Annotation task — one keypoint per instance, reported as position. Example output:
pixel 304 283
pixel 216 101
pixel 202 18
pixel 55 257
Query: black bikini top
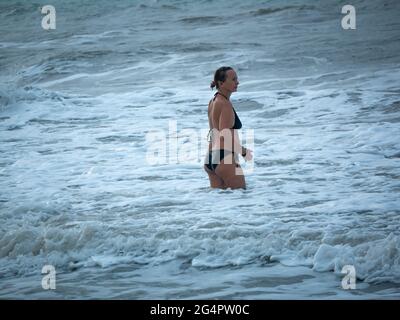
pixel 238 123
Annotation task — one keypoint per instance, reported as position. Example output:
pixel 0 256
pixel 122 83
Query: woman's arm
pixel 209 116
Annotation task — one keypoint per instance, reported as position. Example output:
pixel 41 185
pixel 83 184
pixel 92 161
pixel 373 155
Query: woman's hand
pixel 249 155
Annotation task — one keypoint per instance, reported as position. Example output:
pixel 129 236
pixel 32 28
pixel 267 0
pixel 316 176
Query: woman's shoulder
pixel 217 107
pixel 219 103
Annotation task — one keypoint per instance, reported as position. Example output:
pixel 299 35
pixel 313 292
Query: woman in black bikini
pixel 221 163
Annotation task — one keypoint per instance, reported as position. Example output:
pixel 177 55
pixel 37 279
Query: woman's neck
pixel 224 93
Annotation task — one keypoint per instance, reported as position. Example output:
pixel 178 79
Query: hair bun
pixel 212 85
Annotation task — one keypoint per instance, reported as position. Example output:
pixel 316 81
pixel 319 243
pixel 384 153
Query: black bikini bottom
pixel 215 157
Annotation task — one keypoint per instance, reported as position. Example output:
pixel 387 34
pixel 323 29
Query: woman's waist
pixel 222 153
pixel 217 147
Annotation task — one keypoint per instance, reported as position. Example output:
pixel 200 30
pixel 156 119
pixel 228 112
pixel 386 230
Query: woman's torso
pixel 214 114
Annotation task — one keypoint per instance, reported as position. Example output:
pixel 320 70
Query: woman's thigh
pixel 215 181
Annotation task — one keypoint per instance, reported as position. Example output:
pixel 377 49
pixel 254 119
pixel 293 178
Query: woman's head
pixel 226 78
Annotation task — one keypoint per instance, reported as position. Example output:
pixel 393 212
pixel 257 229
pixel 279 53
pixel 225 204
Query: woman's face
pixel 231 82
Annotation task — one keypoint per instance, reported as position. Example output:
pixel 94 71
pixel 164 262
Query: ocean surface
pixel 80 191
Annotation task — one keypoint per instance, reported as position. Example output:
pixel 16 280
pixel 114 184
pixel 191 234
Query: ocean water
pixel 79 191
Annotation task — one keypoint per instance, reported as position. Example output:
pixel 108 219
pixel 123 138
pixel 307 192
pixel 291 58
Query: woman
pixel 221 163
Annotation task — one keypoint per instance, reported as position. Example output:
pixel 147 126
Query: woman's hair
pixel 219 75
